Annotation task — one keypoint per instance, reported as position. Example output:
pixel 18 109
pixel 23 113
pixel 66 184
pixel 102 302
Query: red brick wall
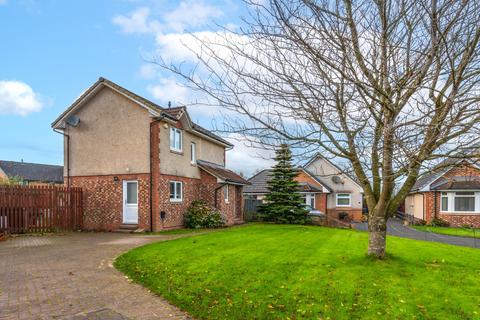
pixel 463 170
pixel 103 200
pixel 194 189
pixel 320 198
pixel 354 214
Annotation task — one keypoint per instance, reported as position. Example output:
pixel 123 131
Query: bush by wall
pixel 200 215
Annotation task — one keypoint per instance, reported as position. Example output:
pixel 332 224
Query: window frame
pixel 175 198
pixel 193 153
pixel 452 195
pixel 173 134
pixel 226 193
pixel 312 197
pixel 337 197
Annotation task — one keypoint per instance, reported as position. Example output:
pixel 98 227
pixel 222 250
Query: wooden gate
pixel 29 209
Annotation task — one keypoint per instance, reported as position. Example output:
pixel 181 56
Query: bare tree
pixel 392 87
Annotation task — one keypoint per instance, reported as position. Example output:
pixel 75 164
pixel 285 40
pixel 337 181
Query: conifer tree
pixel 283 203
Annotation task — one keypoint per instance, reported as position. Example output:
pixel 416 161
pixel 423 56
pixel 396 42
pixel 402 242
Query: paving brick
pixel 71 277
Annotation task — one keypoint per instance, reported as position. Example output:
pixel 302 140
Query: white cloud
pixel 191 13
pixel 148 71
pixel 167 89
pixel 246 159
pixel 137 22
pixel 17 97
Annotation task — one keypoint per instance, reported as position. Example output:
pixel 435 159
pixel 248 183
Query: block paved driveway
pixel 71 277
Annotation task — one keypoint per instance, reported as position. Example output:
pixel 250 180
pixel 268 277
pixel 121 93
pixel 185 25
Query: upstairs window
pixel 193 156
pixel 343 199
pixel 175 139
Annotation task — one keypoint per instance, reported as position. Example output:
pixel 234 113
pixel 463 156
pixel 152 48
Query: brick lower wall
pixel 205 188
pixel 103 200
pixel 460 220
pixel 354 214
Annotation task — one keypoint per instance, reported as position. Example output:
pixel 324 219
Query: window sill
pixel 460 213
pixel 179 152
pixel 343 206
pixel 176 201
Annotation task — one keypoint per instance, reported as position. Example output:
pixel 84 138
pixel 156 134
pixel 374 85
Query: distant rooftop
pixel 32 171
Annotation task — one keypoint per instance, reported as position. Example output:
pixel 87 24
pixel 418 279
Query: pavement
pixel 395 227
pixel 71 277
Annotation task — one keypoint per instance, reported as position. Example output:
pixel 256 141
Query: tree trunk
pixel 377 235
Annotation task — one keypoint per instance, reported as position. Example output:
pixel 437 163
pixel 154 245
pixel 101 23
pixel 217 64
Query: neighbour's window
pixel 193 153
pixel 464 201
pixel 460 201
pixel 175 139
pixel 225 192
pixel 176 192
pixel 444 201
pixel 343 199
pixel 310 200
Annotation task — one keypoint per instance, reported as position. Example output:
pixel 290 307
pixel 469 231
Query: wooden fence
pixel 29 209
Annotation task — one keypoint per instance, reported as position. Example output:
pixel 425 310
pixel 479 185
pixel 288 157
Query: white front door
pixel 130 201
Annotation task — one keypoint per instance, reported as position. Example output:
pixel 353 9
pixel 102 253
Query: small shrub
pixel 437 222
pixel 200 215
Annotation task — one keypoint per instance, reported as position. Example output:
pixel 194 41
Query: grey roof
pixel 32 171
pixel 172 113
pixel 434 174
pixel 259 183
pixel 221 172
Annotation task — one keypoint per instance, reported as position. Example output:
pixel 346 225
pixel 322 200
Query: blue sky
pixel 52 50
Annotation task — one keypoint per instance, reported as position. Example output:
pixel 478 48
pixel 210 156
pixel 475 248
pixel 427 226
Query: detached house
pixel 141 165
pixel 326 189
pixel 451 193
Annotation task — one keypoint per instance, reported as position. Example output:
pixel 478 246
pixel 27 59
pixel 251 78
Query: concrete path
pixel 71 277
pixel 395 227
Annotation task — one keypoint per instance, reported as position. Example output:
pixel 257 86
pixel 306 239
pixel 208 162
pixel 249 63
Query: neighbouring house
pixel 450 192
pixel 31 173
pixel 140 165
pixel 325 187
pixel 312 190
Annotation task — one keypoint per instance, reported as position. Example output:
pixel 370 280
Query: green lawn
pixel 461 232
pixel 292 272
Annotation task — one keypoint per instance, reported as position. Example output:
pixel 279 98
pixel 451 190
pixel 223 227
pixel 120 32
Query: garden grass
pixel 459 232
pixel 305 272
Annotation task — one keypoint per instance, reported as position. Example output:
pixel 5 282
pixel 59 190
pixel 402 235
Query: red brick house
pixel 141 165
pixel 450 193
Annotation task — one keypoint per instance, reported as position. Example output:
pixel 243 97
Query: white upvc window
pixel 176 191
pixel 310 200
pixel 175 139
pixel 343 199
pixel 193 153
pixel 460 202
pixel 226 192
